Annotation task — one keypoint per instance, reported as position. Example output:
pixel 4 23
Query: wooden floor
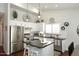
pixel 2 53
pixel 64 54
pixel 20 53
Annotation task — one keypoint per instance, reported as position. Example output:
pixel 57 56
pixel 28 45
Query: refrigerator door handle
pixel 17 43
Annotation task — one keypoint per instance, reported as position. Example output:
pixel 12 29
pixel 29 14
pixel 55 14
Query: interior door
pixel 1 29
pixel 1 33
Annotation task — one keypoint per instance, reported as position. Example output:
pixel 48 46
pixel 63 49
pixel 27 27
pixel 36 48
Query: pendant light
pixel 39 16
pixel 27 16
pixel 38 21
pixel 39 12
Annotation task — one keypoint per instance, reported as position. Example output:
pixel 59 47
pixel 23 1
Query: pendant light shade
pixel 27 16
pixel 39 12
pixel 27 19
pixel 39 16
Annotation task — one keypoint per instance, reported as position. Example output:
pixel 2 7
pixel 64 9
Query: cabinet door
pixel 16 47
pixel 47 51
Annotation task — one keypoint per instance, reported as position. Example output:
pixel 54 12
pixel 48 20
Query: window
pixel 56 28
pixel 48 28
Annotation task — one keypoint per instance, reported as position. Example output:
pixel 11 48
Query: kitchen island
pixel 35 48
pixel 40 42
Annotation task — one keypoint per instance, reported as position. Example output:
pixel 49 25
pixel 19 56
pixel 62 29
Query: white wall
pixel 1 32
pixel 69 15
pixel 4 9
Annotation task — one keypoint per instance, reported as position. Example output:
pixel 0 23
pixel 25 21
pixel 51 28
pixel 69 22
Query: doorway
pixel 1 31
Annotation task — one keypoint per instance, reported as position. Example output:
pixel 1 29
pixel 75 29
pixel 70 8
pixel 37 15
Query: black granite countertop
pixel 59 38
pixel 46 36
pixel 42 46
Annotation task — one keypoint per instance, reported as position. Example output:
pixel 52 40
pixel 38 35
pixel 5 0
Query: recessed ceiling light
pixel 45 6
pixel 56 5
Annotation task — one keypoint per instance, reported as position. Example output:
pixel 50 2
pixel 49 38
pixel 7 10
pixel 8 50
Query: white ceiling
pixel 49 6
pixel 44 6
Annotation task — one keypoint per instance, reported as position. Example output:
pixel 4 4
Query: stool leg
pixel 24 52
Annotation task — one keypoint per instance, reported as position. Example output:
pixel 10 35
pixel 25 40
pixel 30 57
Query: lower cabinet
pixel 46 51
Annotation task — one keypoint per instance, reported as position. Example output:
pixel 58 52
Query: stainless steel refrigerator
pixel 16 38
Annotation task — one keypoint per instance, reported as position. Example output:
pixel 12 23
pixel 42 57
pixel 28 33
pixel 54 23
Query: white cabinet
pixel 40 27
pixel 33 26
pixel 46 51
pixel 18 23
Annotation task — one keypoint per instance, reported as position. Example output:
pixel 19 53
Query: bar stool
pixel 26 47
pixel 31 52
